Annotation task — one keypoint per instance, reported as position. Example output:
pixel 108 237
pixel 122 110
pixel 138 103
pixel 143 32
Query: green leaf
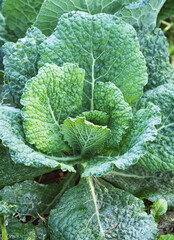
pixel 159 208
pixel 108 98
pixel 167 10
pixel 132 147
pixel 159 156
pixel 20 61
pixel 144 184
pixel 20 14
pixel 52 10
pixel 100 211
pixel 11 133
pixel 154 47
pixel 59 96
pixel 142 16
pixel 104 46
pixel 166 237
pixel 96 117
pixel 84 136
pixel 30 197
pixel 11 172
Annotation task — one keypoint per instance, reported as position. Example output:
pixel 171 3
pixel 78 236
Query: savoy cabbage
pixel 94 96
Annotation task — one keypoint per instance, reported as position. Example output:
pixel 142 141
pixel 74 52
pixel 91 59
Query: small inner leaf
pixel 84 136
pixel 96 117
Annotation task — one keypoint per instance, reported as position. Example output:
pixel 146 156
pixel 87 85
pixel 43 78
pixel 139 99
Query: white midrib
pixel 93 83
pixel 52 114
pixel 90 181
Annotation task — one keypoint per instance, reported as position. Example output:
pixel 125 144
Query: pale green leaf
pixel 108 98
pixel 132 147
pixel 100 211
pixel 160 153
pixel 52 10
pixel 20 61
pixel 48 99
pixel 142 16
pixel 20 14
pixel 104 46
pixel 159 208
pixel 144 184
pixel 11 134
pixel 166 237
pixel 83 136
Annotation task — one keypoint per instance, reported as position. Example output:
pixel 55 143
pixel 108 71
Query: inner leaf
pixel 96 117
pixel 48 99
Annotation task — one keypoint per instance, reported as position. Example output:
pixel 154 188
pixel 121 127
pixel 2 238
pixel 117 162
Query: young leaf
pixel 159 156
pixel 159 208
pixel 132 147
pixel 104 46
pixel 20 61
pixel 108 98
pixel 144 184
pixel 83 136
pixel 48 99
pixel 52 10
pixel 93 211
pixel 166 237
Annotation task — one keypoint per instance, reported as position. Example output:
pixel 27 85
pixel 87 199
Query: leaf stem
pixel 90 181
pixel 69 158
pixel 3 230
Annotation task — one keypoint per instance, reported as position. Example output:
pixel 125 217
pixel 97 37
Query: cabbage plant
pixel 91 99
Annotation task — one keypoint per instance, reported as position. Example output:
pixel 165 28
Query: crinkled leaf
pixel 84 136
pixel 96 117
pixel 104 46
pixel 160 153
pixel 93 211
pixel 11 172
pixel 30 197
pixel 142 16
pixel 144 184
pixel 20 15
pixel 48 99
pixel 52 10
pixel 154 47
pixel 11 134
pixel 132 147
pixel 19 231
pixel 20 61
pixel 108 98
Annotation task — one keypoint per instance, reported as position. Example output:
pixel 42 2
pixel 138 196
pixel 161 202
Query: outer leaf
pixel 108 98
pixel 11 172
pixel 167 10
pixel 11 133
pixel 100 212
pixel 48 99
pixel 142 16
pixel 104 46
pixel 19 231
pixel 30 197
pixel 154 47
pixel 52 10
pixel 20 61
pixel 132 147
pixel 144 184
pixel 20 14
pixel 160 153
pixel 83 136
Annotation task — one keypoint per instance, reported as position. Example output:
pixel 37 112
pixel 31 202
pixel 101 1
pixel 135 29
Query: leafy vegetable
pixel 95 211
pixel 166 237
